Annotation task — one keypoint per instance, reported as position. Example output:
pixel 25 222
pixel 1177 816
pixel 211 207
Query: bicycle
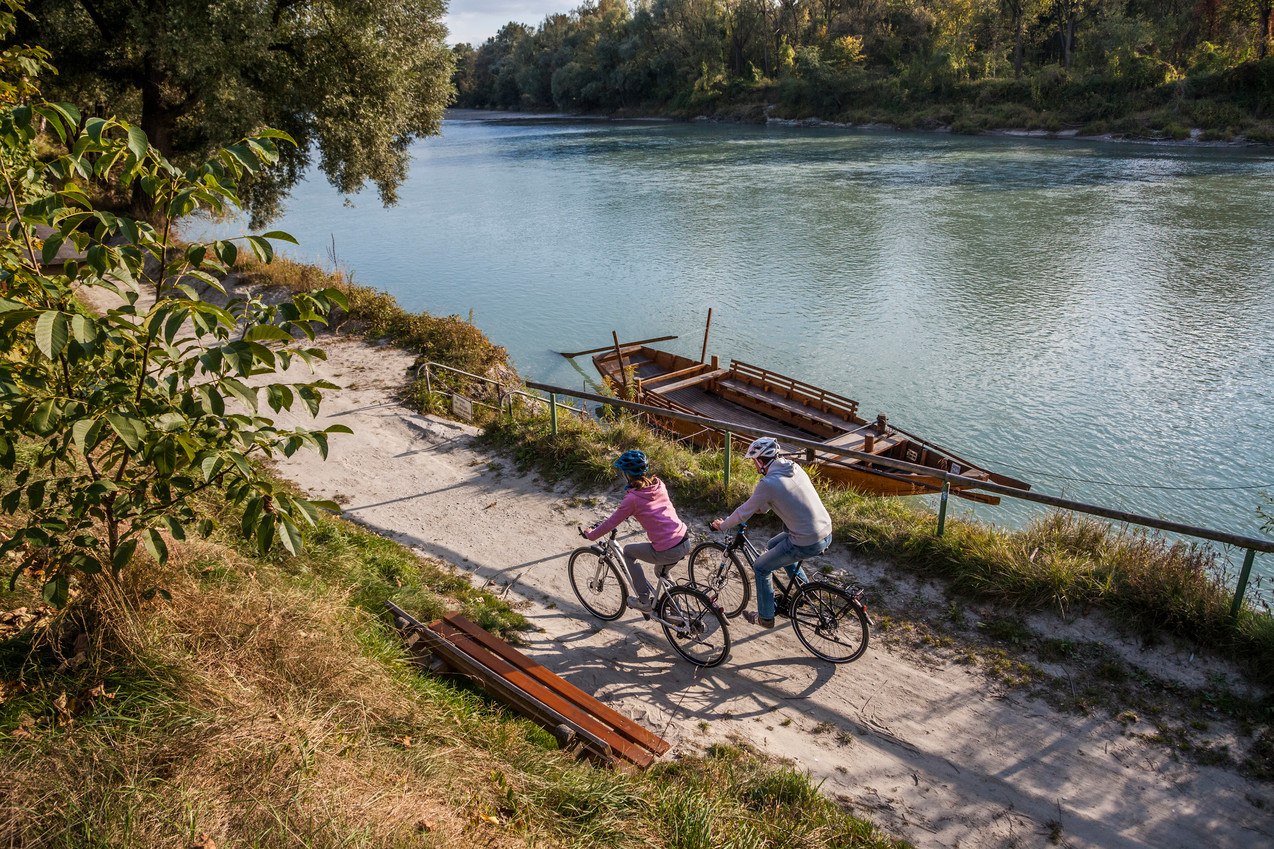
pixel 694 626
pixel 831 622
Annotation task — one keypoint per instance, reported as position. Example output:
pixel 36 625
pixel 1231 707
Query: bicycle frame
pixel 609 548
pixel 742 543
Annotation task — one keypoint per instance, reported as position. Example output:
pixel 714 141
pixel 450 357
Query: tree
pixel 111 425
pixel 354 80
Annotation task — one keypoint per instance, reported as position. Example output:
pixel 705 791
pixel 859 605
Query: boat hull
pixel 761 400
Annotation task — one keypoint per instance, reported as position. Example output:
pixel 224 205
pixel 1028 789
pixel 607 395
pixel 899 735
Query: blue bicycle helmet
pixel 632 463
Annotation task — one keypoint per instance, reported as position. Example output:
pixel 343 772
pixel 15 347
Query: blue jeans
pixel 780 553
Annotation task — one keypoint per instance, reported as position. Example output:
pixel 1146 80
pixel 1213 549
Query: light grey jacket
pixel 787 490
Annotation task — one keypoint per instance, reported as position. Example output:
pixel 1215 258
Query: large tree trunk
pixel 1017 45
pixel 1263 33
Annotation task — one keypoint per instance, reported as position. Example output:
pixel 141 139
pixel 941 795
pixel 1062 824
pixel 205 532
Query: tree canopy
pixel 1198 63
pixel 353 81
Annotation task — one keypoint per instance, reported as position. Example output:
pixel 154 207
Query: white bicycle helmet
pixel 765 448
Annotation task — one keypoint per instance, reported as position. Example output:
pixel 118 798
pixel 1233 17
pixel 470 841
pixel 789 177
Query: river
pixel 1096 318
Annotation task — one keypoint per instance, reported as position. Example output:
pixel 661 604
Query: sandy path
pixel 931 752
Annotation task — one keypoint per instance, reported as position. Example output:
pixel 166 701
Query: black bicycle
pixel 831 621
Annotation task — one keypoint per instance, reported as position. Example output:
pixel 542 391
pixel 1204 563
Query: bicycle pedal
pixel 646 616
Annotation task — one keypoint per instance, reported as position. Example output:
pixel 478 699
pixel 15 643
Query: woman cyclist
pixel 646 500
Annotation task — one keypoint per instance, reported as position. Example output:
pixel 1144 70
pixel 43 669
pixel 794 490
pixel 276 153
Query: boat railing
pixel 796 390
pixel 732 430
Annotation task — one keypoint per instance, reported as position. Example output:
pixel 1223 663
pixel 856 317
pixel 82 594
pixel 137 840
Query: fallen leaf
pixel 425 825
pixel 203 841
pixel 405 742
pixel 490 819
pixel 99 692
pixel 489 506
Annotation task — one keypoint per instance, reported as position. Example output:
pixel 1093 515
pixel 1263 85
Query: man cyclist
pixel 786 489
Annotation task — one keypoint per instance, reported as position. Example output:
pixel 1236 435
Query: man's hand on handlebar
pixel 716 524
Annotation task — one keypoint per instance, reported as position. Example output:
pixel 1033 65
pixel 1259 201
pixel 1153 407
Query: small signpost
pixel 461 407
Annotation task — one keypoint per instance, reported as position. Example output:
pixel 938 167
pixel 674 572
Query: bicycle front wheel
pixel 719 572
pixel 596 582
pixel 694 626
pixel 830 622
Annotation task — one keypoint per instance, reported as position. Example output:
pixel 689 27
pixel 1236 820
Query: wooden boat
pixel 783 406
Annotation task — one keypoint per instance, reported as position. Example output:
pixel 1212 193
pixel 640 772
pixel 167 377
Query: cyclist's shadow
pixel 642 667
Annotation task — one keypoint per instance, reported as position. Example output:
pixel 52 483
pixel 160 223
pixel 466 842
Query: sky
pixel 475 21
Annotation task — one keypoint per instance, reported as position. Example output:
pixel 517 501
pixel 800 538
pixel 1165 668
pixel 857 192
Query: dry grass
pixel 268 705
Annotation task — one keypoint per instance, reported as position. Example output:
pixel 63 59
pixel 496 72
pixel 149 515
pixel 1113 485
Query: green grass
pixel 1061 562
pixel 270 704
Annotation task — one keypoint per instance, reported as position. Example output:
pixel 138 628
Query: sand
pixel 930 749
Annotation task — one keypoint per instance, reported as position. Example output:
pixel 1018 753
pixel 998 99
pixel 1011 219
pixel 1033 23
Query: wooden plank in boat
pixel 690 381
pixel 792 407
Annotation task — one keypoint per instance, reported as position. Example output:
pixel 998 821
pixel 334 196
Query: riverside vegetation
pixel 1150 587
pixel 1144 69
pixel 175 666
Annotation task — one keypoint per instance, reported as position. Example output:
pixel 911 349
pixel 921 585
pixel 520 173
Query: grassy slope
pixel 1062 562
pixel 269 704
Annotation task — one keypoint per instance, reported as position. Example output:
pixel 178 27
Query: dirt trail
pixel 928 750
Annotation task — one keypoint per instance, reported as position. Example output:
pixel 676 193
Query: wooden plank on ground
pixel 626 739
pixel 622 724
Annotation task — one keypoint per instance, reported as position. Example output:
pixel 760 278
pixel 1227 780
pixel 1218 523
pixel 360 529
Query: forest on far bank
pixel 1154 68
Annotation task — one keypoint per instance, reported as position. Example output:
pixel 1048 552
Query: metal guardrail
pixel 1251 544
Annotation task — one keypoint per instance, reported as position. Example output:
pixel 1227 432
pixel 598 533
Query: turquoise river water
pixel 1095 318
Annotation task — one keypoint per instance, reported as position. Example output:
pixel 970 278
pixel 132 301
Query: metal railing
pixel 1252 545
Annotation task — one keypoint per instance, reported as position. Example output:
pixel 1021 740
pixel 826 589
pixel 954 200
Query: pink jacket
pixel 653 510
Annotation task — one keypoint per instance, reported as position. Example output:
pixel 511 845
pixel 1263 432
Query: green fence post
pixel 942 507
pixel 553 413
pixel 1243 576
pixel 729 437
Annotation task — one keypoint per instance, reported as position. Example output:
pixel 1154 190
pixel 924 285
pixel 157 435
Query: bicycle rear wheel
pixel 717 571
pixel 596 582
pixel 698 631
pixel 830 622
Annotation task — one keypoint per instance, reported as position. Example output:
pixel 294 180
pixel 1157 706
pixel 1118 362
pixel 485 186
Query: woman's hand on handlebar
pixel 582 532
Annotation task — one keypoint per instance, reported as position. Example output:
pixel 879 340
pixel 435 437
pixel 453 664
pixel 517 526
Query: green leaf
pixel 271 133
pixel 281 236
pixel 44 418
pixel 93 127
pixel 52 245
pixel 265 534
pixel 51 331
pixel 268 332
pixel 291 535
pixel 84 329
pixel 123 554
pixel 243 393
pixel 155 545
pixel 86 433
pixel 263 249
pixel 137 144
pixel 57 591
pixel 130 430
